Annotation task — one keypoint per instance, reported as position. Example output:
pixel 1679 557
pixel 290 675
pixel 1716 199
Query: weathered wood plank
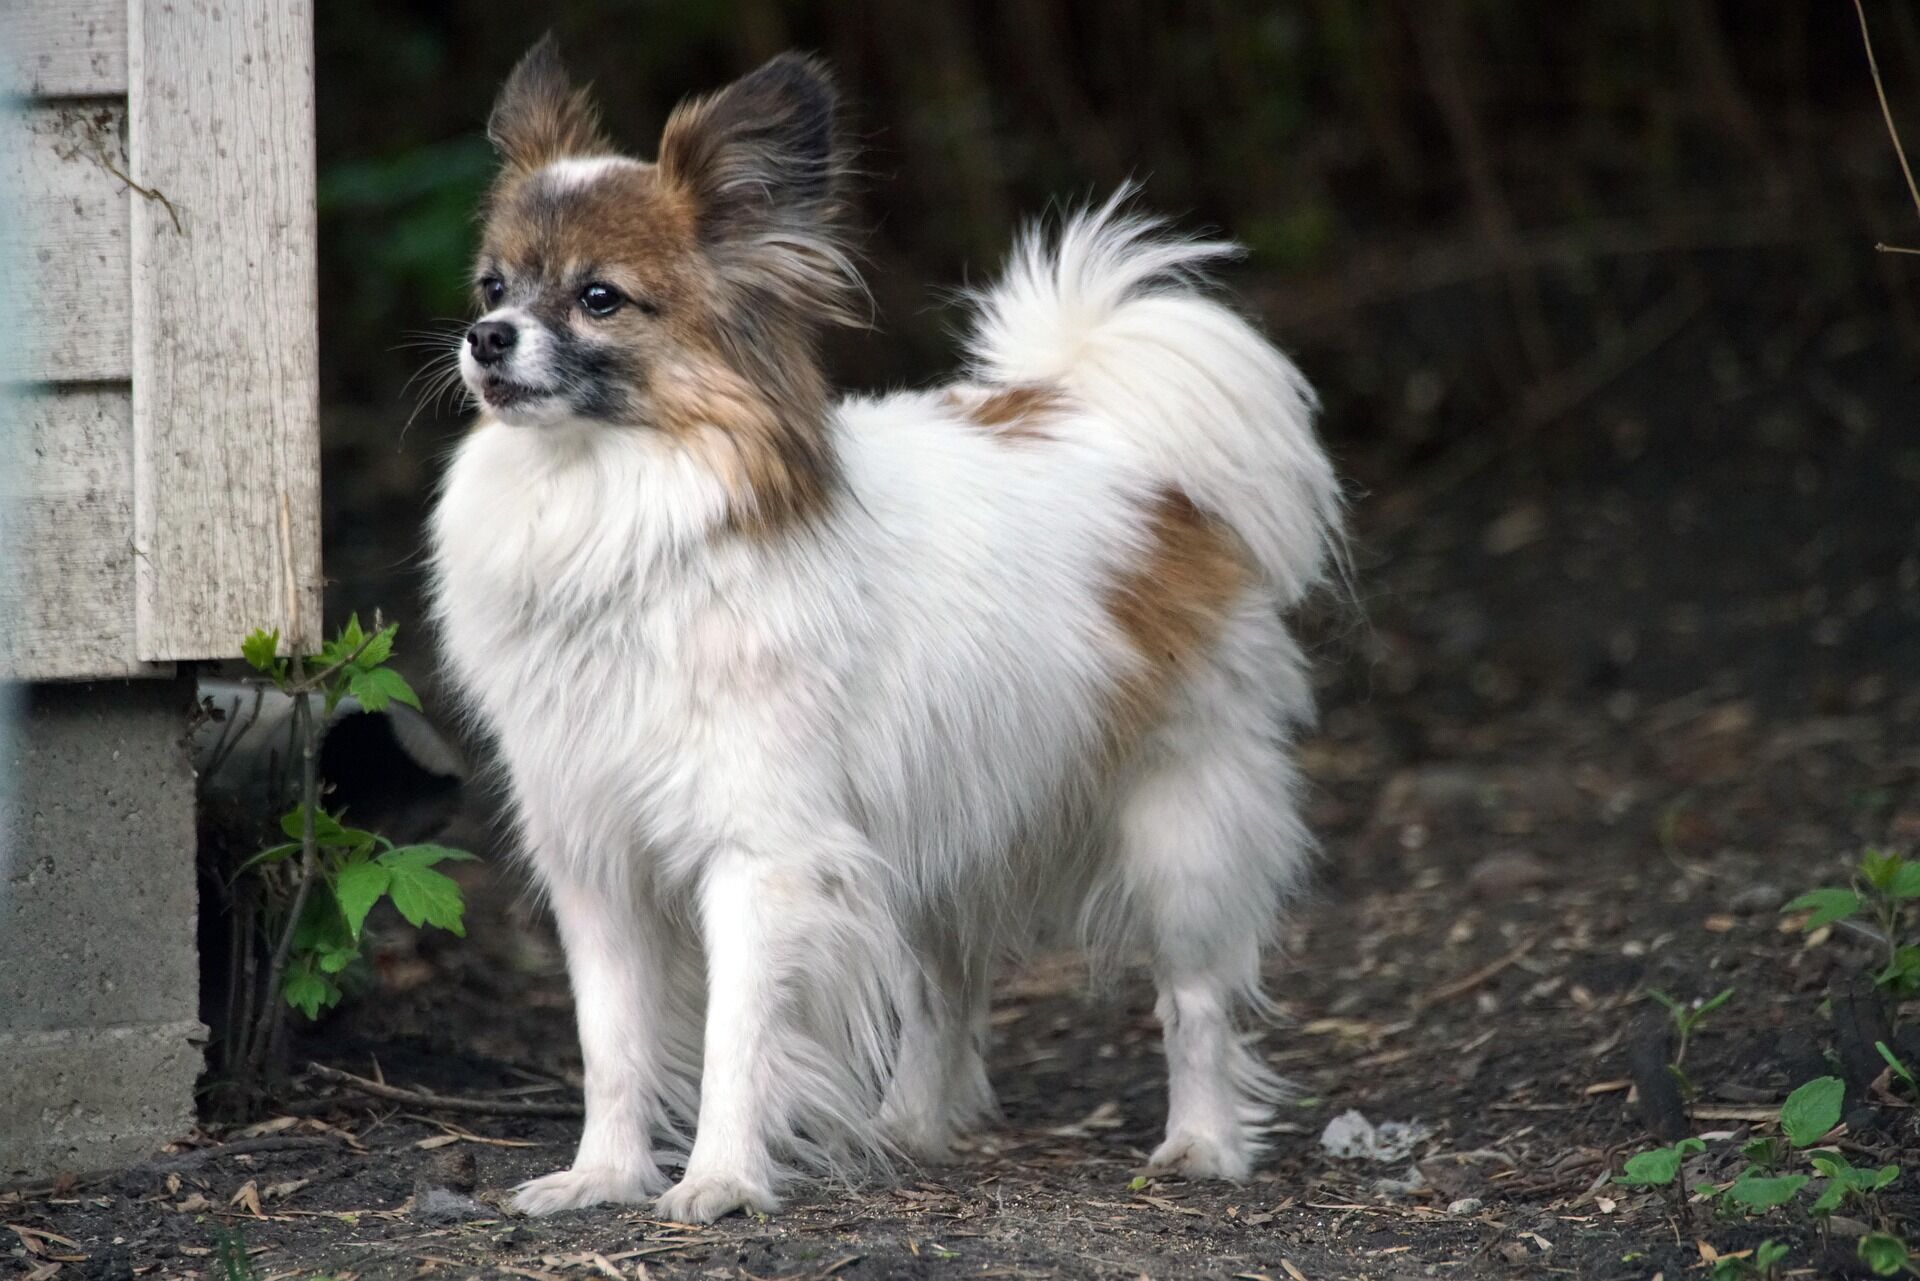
pixel 65 243
pixel 66 522
pixel 63 48
pixel 225 383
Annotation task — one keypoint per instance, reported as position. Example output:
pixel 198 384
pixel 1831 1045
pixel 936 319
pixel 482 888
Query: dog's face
pixel 681 296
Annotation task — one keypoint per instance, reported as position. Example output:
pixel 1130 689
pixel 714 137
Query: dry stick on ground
pixel 1886 112
pixel 446 1103
pixel 241 1147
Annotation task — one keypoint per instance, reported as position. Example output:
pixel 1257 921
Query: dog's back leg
pixel 1209 844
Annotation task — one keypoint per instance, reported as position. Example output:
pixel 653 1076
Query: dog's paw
pixel 578 1188
pixel 1201 1156
pixel 702 1198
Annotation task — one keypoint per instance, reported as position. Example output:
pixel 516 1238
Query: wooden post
pixel 226 443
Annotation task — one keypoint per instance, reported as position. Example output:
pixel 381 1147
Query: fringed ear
pixel 761 162
pixel 540 116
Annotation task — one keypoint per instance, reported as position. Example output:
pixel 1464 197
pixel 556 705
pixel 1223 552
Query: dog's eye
pixel 599 299
pixel 493 289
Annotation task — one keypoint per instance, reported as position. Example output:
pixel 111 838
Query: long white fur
pixel 792 799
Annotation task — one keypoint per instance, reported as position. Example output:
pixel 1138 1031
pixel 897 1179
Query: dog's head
pixel 682 295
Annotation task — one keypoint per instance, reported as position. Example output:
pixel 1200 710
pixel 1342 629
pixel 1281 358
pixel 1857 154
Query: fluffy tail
pixel 1116 309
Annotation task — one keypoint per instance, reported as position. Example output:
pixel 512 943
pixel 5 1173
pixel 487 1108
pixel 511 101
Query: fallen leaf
pixel 247 1197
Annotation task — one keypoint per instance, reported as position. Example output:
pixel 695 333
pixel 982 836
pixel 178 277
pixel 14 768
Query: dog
pixel 813 710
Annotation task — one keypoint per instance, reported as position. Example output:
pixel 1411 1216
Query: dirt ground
pixel 1622 675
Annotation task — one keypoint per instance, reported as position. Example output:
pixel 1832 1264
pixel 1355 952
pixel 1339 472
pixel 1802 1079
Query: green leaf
pixel 1831 1163
pixel 1136 1183
pixel 1878 870
pixel 1902 975
pixel 308 992
pixel 1884 1254
pixel 335 959
pixel 1830 1199
pixel 1673 1006
pixel 351 637
pixel 272 854
pixel 379 649
pixel 358 887
pixel 1899 1069
pixel 426 855
pixel 327 830
pixel 1905 882
pixel 259 649
pixel 424 896
pixel 1757 1195
pixel 1652 1169
pixel 1812 1110
pixel 1873 1181
pixel 376 688
pixel 1714 1002
pixel 1768 1253
pixel 1827 906
pixel 1730 1267
pixel 1765 1152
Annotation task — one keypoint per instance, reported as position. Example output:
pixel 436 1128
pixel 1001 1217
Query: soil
pixel 1618 679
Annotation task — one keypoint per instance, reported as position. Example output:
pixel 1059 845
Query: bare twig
pixel 445 1103
pixel 266 1031
pixel 1886 112
pixel 1468 982
pixel 240 1147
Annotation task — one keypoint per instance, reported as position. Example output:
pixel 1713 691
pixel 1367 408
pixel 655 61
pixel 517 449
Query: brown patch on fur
pixel 1010 413
pixel 1172 604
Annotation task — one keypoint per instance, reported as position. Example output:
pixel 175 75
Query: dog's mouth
pixel 503 393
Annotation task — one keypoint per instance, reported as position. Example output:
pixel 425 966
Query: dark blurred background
pixel 1623 389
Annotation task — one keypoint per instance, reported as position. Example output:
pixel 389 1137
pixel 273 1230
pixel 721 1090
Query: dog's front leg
pixel 799 961
pixel 615 962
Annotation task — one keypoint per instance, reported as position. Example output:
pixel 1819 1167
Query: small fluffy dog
pixel 815 709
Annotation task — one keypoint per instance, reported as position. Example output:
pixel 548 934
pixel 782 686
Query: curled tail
pixel 1116 309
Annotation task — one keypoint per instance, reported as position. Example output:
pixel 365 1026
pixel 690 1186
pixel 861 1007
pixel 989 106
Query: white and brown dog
pixel 814 710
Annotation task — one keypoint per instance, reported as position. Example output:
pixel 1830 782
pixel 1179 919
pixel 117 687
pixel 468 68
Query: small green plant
pixel 1886 1255
pixel 1661 1168
pixel 308 897
pixel 1885 888
pixel 1761 1262
pixel 1805 1118
pixel 1685 1017
pixel 1847 1182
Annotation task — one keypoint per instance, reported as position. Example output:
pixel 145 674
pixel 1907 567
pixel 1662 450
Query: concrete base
pixel 99 1034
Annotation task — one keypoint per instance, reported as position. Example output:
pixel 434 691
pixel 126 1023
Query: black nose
pixel 491 340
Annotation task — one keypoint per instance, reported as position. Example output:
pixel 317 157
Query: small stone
pixel 1499 875
pixel 1466 1205
pixel 438 1205
pixel 1756 898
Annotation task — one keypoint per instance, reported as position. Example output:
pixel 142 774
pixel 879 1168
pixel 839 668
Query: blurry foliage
pixel 1312 131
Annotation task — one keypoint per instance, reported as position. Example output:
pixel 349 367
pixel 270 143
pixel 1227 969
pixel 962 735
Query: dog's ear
pixel 761 161
pixel 541 116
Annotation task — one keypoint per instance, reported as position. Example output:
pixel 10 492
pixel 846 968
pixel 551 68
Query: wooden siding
pixel 66 522
pixel 161 448
pixel 63 48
